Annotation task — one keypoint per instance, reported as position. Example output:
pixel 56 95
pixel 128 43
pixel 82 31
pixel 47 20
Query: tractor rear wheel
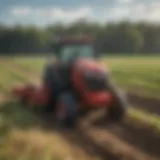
pixel 117 109
pixel 115 112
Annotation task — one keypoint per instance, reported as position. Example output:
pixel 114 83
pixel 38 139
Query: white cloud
pixel 135 12
pixel 124 1
pixel 52 13
pixel 147 12
pixel 20 11
pixel 119 12
pixel 72 14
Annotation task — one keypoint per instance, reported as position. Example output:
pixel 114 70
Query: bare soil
pixel 149 104
pixel 95 139
pixel 139 136
pixel 126 141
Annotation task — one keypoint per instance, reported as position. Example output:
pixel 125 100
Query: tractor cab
pixel 84 85
pixel 81 70
pixel 70 53
pixel 69 49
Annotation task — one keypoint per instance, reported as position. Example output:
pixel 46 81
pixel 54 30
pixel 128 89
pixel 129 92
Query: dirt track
pixel 120 142
pixel 138 136
pixel 126 141
pixel 148 104
pixel 95 139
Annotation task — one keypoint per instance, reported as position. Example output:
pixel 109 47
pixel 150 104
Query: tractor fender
pixel 117 93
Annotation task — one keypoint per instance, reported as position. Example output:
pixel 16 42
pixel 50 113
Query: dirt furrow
pixel 149 104
pixel 129 140
pixel 78 139
pixel 118 142
pixel 118 147
pixel 100 141
pixel 140 137
pixel 91 148
pixel 137 135
pixel 105 145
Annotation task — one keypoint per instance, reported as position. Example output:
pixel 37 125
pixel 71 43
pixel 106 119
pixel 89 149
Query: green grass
pixel 17 71
pixel 32 64
pixel 139 116
pixel 140 75
pixel 23 137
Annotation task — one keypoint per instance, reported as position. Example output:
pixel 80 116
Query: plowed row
pixel 149 104
pixel 126 141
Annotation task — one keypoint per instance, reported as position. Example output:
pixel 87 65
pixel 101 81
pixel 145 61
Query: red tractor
pixel 85 84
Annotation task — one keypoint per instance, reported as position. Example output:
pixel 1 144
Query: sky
pixel 46 12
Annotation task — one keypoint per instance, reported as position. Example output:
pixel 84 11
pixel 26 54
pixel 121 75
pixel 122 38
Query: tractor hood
pixel 89 66
pixel 93 74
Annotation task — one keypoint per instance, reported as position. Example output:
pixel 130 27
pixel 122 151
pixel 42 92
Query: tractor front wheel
pixel 66 110
pixel 24 101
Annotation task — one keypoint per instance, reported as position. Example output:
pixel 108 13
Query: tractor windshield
pixel 72 52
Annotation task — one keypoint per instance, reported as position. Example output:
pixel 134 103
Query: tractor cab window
pixel 72 52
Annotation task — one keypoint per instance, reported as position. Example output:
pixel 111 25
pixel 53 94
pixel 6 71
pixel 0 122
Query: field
pixel 140 75
pixel 26 136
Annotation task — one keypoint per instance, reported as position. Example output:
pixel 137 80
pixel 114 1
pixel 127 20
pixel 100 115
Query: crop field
pixel 26 136
pixel 140 75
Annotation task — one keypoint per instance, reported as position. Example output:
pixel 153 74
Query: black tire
pixel 116 113
pixel 69 108
pixel 117 109
pixel 70 122
pixel 24 101
pixel 37 109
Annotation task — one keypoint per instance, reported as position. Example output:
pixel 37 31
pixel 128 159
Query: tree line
pixel 123 37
